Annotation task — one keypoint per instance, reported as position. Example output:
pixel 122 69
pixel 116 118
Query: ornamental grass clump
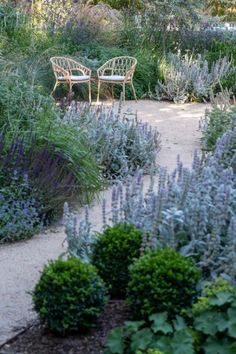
pixel 162 281
pixel 121 142
pixel 69 296
pixel 114 251
pixel 56 157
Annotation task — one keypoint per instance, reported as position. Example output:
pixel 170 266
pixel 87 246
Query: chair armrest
pixel 80 67
pixel 101 70
pixel 59 71
pixel 129 75
pixel 109 65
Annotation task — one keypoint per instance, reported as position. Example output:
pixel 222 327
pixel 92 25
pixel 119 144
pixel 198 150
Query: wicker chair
pixel 71 72
pixel 119 70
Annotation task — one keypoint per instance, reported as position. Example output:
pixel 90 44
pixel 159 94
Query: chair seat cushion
pixel 112 78
pixel 75 78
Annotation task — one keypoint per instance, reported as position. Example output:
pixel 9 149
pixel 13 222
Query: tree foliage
pixel 222 8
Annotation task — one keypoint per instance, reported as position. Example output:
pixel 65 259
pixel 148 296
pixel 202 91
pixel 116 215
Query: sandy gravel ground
pixel 21 263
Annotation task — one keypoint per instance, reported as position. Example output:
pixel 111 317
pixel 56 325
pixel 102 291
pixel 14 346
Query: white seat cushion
pixel 75 78
pixel 112 78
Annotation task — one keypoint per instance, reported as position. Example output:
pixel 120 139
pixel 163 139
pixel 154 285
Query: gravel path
pixel 22 262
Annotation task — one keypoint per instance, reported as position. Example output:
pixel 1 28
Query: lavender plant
pixel 191 210
pixel 19 217
pixel 50 180
pixel 186 78
pixel 121 143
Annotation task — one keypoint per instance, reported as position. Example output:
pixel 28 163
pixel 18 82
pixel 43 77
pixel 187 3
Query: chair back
pixel 63 66
pixel 121 66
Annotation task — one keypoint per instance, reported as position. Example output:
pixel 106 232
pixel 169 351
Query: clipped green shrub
pixel 69 296
pixel 114 251
pixel 162 281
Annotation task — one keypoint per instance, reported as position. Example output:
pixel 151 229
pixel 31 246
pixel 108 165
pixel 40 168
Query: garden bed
pixel 37 340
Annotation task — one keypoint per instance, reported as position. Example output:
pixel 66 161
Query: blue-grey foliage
pixel 121 142
pixel 187 78
pixel 192 210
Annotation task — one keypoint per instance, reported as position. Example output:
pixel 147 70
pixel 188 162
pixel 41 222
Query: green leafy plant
pixel 156 336
pixel 114 251
pixel 69 296
pixel 215 123
pixel 162 281
pixel 214 318
pixel 211 331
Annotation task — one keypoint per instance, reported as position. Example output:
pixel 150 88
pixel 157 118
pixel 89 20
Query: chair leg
pixel 99 85
pixel 54 88
pixel 112 91
pixel 70 89
pixel 135 97
pixel 90 99
pixel 124 92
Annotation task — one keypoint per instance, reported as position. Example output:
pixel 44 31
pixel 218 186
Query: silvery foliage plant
pixel 217 120
pixel 188 78
pixel 121 142
pixel 191 210
pixel 79 239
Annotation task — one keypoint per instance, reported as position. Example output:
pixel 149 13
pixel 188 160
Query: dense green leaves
pixel 156 333
pixel 69 296
pixel 114 251
pixel 214 316
pixel 211 329
pixel 163 281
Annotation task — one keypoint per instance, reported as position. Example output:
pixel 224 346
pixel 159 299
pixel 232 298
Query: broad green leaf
pixel 215 346
pixel 232 348
pixel 221 299
pixel 133 326
pixel 115 342
pixel 160 323
pixel 232 322
pixel 179 323
pixel 141 339
pixel 206 322
pixel 182 342
pixel 222 322
pixel 162 343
